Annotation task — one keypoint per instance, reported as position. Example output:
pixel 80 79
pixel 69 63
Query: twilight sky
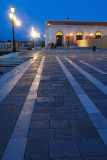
pixel 35 12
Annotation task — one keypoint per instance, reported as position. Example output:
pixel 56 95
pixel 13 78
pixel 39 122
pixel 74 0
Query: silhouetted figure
pixel 52 46
pixel 67 42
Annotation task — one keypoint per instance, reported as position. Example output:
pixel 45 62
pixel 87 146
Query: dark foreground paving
pixel 61 128
pixel 7 62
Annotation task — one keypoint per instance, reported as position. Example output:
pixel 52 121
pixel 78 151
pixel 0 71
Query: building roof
pixel 92 23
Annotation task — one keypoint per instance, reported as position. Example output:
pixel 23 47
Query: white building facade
pixel 62 33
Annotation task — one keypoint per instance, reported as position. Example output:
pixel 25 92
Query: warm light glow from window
pixel 59 33
pixel 98 34
pixel 79 34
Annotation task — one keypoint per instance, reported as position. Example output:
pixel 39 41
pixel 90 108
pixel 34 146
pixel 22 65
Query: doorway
pixel 79 36
pixel 98 35
pixel 71 40
pixel 59 39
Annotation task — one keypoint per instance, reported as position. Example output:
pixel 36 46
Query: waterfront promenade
pixel 53 105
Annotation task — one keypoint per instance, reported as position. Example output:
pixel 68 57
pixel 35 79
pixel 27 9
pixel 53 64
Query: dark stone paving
pixel 11 106
pixel 8 63
pixel 62 120
pixel 62 148
pixel 60 128
pixel 98 97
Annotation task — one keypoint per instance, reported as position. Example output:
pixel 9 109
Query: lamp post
pixel 13 19
pixel 38 37
pixel 34 35
pixel 14 22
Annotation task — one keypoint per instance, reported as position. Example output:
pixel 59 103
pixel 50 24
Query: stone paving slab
pixel 63 148
pixel 40 124
pixel 68 133
pixel 41 117
pixel 59 124
pixel 92 148
pixel 42 134
pixel 37 149
pixel 7 125
pixel 96 158
pixel 3 143
pixel 68 158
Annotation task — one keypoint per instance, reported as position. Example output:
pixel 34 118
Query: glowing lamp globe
pixel 12 9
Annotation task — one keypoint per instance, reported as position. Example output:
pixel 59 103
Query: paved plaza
pixel 53 105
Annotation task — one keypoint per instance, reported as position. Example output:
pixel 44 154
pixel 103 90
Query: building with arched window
pixel 62 33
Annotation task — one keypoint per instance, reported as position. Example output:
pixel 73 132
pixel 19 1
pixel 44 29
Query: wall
pixel 67 29
pixel 99 43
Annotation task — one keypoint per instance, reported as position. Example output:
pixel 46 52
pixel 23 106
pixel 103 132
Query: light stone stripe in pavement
pixel 17 144
pixel 96 69
pixel 99 59
pixel 8 81
pixel 96 82
pixel 9 55
pixel 94 113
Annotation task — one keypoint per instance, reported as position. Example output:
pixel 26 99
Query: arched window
pixel 98 35
pixel 59 33
pixel 79 36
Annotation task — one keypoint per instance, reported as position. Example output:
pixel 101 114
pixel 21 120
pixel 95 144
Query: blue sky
pixel 34 13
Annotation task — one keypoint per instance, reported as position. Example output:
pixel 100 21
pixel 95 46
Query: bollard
pixel 94 48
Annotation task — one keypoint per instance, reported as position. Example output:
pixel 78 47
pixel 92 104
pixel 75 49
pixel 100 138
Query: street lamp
pixel 38 35
pixel 17 23
pixel 14 22
pixel 34 35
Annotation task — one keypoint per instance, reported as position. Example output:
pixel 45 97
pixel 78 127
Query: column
pixel 74 38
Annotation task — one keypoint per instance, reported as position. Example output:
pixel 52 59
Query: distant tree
pixel 9 40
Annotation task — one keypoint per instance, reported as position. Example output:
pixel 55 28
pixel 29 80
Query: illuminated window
pixel 79 34
pixel 98 34
pixel 59 33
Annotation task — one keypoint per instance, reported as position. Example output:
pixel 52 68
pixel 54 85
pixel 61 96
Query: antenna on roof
pixel 67 19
